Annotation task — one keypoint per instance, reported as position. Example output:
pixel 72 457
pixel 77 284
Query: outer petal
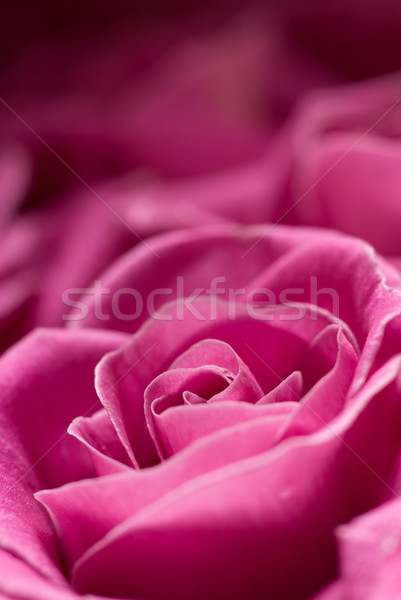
pixel 45 381
pixel 19 581
pixel 185 263
pixel 100 438
pixel 370 551
pixel 347 140
pixel 357 293
pixel 22 582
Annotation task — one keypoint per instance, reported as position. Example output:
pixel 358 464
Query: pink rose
pixel 345 154
pixel 243 435
pixel 224 442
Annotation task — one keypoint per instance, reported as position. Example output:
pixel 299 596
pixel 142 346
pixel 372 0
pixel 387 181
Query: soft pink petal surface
pixel 35 413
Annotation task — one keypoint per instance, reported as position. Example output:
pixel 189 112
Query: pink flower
pixel 345 168
pixel 172 122
pixel 242 438
pixel 224 442
pixel 369 552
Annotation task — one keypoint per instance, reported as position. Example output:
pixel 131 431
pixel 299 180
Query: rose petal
pixel 328 397
pixel 37 406
pixel 356 129
pixel 370 548
pixel 20 580
pixel 357 293
pixel 100 438
pixel 222 260
pixel 289 390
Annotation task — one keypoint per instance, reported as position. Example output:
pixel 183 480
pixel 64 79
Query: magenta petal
pixel 358 196
pixel 370 172
pixel 46 380
pixel 180 426
pixel 20 580
pixel 311 270
pixel 121 380
pixel 172 389
pixel 357 293
pixel 289 390
pixel 390 342
pixel 197 257
pixel 328 397
pixel 100 438
pixel 321 355
pixel 370 552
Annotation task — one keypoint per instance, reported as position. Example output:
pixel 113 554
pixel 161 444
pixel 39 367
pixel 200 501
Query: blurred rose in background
pixel 118 121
